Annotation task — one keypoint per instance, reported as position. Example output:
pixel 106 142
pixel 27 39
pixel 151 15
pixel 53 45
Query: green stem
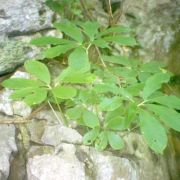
pixel 60 110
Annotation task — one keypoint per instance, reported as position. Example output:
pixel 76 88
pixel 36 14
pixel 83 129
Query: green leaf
pixel 115 123
pixel 125 94
pixel 49 40
pixel 135 89
pixel 100 43
pixel 110 104
pixel 130 114
pixel 153 132
pixel 143 76
pixel 20 83
pixel 64 92
pixel 37 97
pixel 169 116
pixel 90 136
pixel 58 50
pixel 78 60
pixel 74 113
pixel 21 93
pixel 89 97
pixel 102 141
pixel 70 29
pixel 152 67
pixel 90 29
pixel 90 119
pixel 122 40
pixel 55 6
pixel 118 29
pixel 169 101
pixel 106 88
pixel 75 77
pixel 115 141
pixel 39 70
pixel 122 60
pixel 154 83
pixel 114 120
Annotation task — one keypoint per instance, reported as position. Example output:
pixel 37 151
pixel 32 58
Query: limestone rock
pixel 19 19
pixel 22 16
pixel 54 135
pixel 7 148
pixel 64 166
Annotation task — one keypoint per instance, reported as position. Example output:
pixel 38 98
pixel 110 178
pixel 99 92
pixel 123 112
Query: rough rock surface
pixel 19 18
pixel 157 25
pixel 54 135
pixel 7 148
pixel 64 166
pixel 22 16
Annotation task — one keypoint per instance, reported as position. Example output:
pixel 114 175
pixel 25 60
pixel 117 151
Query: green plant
pixel 107 96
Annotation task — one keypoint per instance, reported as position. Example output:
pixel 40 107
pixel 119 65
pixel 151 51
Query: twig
pixel 111 18
pixel 83 5
pixel 22 120
pixel 16 121
pixel 101 59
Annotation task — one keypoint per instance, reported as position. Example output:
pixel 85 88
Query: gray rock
pixel 54 135
pixel 14 52
pixel 64 166
pixel 156 24
pixel 7 148
pixel 18 18
pixel 112 167
pixel 22 16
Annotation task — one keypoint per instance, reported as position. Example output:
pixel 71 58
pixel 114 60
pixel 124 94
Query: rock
pixel 48 115
pixel 111 167
pixel 64 166
pixel 36 129
pixel 157 27
pixel 135 162
pixel 14 52
pixel 22 16
pixel 7 148
pixel 54 135
pixel 19 20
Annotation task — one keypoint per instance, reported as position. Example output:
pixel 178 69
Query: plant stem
pixel 60 110
pixel 142 103
pixel 111 18
pixel 101 59
pixel 54 112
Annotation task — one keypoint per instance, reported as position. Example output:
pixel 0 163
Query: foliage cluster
pixel 108 96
